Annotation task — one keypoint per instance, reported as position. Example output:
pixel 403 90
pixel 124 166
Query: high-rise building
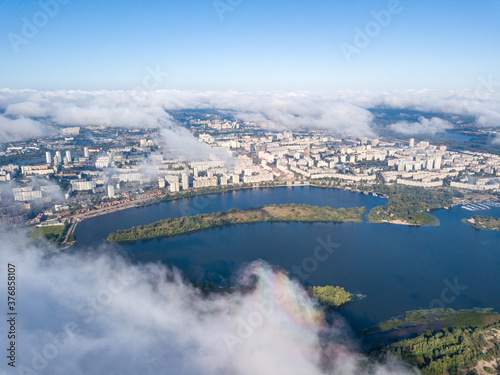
pixel 59 156
pixel 68 155
pixel 86 152
pixel 174 186
pixel 412 142
pixel 185 181
pixel 48 157
pixel 437 163
pixel 111 191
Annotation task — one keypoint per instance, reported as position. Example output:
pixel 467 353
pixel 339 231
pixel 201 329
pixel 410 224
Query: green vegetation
pixel 330 296
pixel 272 213
pixel 327 296
pixel 409 205
pixel 484 222
pixel 54 233
pixel 51 233
pixel 454 342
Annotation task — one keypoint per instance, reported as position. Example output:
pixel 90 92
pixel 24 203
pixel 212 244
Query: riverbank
pixel 387 191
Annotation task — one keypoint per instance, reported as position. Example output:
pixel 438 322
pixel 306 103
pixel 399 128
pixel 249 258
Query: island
pixel 272 213
pixel 484 222
pixel 441 341
pixel 330 296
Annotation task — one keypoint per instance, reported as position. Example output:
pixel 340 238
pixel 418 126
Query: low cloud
pixel 95 313
pixel 434 125
pixel 12 129
pixel 342 112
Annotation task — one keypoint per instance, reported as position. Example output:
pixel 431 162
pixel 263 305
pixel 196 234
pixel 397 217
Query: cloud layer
pixel 435 125
pixel 343 112
pixel 98 314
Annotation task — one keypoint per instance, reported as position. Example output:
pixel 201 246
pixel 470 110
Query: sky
pixel 249 45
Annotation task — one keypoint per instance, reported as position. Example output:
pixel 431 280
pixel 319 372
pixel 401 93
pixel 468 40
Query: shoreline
pixel 77 218
pixel 125 206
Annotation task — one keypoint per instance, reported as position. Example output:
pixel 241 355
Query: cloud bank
pixel 19 128
pixel 343 112
pixel 95 313
pixel 435 125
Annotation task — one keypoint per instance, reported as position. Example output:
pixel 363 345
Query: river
pixel 398 268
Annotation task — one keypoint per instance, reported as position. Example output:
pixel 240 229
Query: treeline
pixel 272 213
pixel 433 198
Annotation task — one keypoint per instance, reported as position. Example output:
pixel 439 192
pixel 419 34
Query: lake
pixel 398 268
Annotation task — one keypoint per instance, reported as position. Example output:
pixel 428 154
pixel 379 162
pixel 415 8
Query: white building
pixel 174 186
pixel 185 181
pixel 111 191
pixel 26 194
pixel 102 162
pixel 83 185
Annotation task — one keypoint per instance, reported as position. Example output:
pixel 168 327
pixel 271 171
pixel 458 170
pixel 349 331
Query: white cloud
pixel 28 109
pixel 342 112
pixel 434 125
pixel 19 128
pixel 93 313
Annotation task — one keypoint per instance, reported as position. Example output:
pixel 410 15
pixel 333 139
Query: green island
pixel 330 296
pixel 442 341
pixel 410 206
pixel 484 222
pixel 272 213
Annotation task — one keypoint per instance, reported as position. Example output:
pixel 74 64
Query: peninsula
pixel 485 222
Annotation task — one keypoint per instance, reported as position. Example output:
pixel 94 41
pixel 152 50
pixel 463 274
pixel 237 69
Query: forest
pixel 410 204
pixel 467 342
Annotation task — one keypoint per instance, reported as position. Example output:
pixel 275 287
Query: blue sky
pixel 268 45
